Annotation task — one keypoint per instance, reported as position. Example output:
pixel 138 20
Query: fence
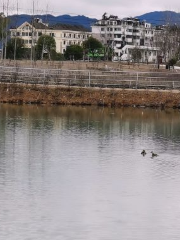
pixel 84 78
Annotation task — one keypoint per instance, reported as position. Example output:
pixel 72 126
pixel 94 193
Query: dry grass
pixel 25 94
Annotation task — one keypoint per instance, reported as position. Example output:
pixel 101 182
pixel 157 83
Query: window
pixel 129 36
pixel 64 42
pixel 102 29
pixel 117 35
pixel 39 33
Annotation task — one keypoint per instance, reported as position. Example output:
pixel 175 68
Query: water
pixel 77 173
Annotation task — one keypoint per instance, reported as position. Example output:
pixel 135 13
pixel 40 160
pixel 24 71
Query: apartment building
pixel 64 35
pixel 124 35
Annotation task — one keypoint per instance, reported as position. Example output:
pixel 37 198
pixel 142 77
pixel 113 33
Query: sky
pixel 92 8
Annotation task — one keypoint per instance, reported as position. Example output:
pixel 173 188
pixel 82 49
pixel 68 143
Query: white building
pixel 64 35
pixel 124 35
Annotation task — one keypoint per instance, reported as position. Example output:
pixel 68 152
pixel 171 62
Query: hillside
pixel 161 18
pixel 64 19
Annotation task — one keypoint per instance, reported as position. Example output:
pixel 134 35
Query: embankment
pixel 38 94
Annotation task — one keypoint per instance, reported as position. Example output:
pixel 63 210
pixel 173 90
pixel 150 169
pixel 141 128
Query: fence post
pixel 44 76
pixel 137 79
pixel 89 78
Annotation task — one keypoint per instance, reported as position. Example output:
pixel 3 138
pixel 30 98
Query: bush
pixel 172 62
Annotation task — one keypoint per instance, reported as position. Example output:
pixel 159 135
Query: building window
pixel 64 42
pixel 102 29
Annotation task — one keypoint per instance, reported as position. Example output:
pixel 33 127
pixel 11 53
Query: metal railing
pixel 85 78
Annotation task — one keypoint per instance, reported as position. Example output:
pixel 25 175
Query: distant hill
pixel 17 20
pixel 161 18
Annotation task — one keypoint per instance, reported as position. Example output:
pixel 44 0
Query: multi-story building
pixel 125 35
pixel 64 35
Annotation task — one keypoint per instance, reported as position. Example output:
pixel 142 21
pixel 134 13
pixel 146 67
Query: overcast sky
pixel 94 8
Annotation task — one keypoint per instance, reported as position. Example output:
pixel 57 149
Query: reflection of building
pixel 123 35
pixel 63 34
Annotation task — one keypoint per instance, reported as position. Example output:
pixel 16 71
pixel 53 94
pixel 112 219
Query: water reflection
pixel 77 173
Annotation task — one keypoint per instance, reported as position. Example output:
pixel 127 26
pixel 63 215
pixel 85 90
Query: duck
pixel 143 152
pixel 154 154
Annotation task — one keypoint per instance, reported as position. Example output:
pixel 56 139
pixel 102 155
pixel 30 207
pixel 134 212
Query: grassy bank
pixel 38 94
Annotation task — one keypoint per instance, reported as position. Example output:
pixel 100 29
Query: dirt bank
pixel 36 94
pixel 80 65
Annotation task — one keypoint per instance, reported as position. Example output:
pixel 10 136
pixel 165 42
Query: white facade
pixel 124 35
pixel 63 37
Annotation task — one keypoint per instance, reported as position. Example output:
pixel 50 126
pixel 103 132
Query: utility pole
pixel 2 35
pixel 5 54
pixel 32 32
pixel 15 42
pixel 43 48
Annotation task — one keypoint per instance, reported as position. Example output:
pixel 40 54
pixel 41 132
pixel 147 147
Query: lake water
pixel 74 173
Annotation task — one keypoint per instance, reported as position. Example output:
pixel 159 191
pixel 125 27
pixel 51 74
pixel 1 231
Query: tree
pixel 15 47
pixel 45 47
pixel 74 52
pixel 167 39
pixel 136 54
pixel 91 45
pixel 4 21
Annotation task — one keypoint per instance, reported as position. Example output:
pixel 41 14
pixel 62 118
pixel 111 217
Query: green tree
pixel 45 47
pixel 136 54
pixel 91 45
pixel 15 47
pixel 74 52
pixel 172 62
pixel 4 21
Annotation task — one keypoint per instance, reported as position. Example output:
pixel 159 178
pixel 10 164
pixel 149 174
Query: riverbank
pixel 39 94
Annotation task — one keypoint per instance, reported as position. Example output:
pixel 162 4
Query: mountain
pixel 161 18
pixel 17 20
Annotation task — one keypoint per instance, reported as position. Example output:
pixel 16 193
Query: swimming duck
pixel 143 152
pixel 154 154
